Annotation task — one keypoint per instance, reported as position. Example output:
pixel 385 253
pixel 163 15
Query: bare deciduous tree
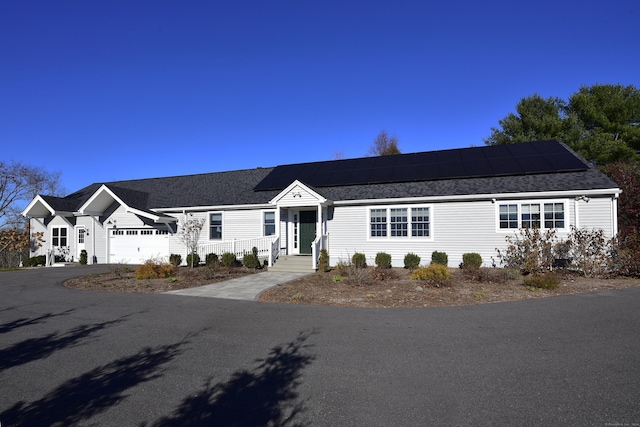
pixel 384 145
pixel 19 183
pixel 189 234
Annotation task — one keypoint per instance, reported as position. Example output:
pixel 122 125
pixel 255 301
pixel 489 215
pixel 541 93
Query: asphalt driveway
pixel 70 357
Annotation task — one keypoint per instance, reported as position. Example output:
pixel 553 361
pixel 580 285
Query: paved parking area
pixel 71 357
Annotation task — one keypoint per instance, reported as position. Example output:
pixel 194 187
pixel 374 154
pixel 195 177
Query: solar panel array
pixel 499 160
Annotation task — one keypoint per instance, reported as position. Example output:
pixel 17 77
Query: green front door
pixel 307 231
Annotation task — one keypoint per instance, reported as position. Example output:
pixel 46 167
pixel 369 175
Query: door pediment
pixel 299 194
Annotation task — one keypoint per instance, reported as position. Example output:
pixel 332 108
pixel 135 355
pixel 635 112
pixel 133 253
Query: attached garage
pixel 136 245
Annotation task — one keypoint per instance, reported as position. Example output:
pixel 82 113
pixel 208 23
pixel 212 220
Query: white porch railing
pixel 50 258
pixel 321 242
pixel 268 248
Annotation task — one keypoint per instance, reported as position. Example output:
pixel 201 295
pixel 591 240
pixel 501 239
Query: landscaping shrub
pixel 586 251
pixel 211 259
pixel 529 251
pixel 435 274
pixel 590 251
pixel 193 259
pixel 627 254
pixel 152 269
pixel 383 260
pixel 228 259
pixel 358 276
pixel 175 259
pixel 359 260
pixel 383 274
pixel 411 261
pixel 323 261
pixel 471 260
pixel 342 268
pixel 439 258
pixel 251 260
pixel 542 281
pixel 509 273
pixel 83 257
pixel 35 261
pixel 119 269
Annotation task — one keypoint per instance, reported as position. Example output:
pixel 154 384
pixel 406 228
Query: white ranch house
pixel 455 201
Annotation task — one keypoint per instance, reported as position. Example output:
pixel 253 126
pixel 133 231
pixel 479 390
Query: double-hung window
pixel 59 236
pixel 419 222
pixel 530 216
pixel 509 216
pixel 215 226
pixel 399 222
pixel 553 215
pixel 269 223
pixel 378 223
pixel 514 215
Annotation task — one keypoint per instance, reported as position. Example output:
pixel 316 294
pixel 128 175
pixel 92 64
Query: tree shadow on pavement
pixel 265 396
pixel 95 391
pixel 20 323
pixel 38 348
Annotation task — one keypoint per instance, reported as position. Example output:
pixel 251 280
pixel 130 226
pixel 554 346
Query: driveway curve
pixel 71 357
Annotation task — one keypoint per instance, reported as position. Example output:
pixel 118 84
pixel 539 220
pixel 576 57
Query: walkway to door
pixel 248 287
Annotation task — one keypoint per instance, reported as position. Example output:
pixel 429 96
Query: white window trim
pixel 540 202
pixel 409 237
pixel 275 222
pixel 66 237
pixel 221 239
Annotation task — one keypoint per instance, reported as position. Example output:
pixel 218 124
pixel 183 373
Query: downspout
pixel 278 237
pixel 614 215
pixel 93 240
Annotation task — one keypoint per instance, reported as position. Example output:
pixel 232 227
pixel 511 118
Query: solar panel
pixel 499 160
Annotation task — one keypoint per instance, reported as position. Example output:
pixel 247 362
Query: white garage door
pixel 135 246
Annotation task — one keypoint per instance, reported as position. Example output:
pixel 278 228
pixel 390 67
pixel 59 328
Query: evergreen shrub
pixel 359 260
pixel 439 258
pixel 471 260
pixel 228 259
pixel 383 260
pixel 411 261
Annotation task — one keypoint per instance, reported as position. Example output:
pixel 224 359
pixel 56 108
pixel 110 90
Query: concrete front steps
pixel 293 264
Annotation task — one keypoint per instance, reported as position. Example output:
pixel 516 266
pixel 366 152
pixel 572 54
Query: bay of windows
pixel 399 222
pixel 531 215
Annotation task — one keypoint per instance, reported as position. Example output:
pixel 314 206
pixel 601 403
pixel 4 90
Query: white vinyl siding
pixel 242 224
pixel 596 213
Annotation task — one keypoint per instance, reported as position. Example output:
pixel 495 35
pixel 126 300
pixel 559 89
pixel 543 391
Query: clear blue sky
pixel 110 90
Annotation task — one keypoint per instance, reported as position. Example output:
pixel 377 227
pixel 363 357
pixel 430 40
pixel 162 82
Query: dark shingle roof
pixel 60 204
pixel 238 187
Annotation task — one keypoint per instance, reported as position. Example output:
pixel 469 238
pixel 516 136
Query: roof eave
pixel 613 192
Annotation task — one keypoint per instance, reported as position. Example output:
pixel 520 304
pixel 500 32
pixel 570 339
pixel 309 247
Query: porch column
pixel 319 228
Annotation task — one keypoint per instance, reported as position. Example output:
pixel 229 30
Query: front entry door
pixel 308 221
pixel 80 245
